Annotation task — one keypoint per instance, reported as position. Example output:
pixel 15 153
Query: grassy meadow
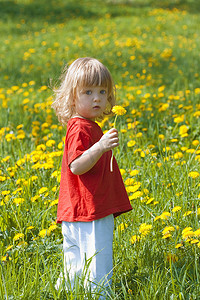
pixel 152 51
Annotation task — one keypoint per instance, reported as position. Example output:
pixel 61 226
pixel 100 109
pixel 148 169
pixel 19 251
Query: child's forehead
pixel 86 87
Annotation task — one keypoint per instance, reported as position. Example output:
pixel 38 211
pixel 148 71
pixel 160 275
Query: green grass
pixel 151 49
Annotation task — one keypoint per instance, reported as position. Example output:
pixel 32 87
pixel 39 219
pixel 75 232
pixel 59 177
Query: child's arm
pixel 89 158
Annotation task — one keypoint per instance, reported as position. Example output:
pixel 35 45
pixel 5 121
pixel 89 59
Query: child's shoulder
pixel 86 126
pixel 81 122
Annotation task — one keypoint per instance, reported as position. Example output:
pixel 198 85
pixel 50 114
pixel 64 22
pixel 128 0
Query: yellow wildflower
pixel 118 110
pixel 18 200
pixel 136 195
pixel 44 232
pixel 134 173
pixel 43 190
pixel 145 228
pixel 187 213
pixel 131 143
pixel 134 239
pixel 176 208
pixel 52 227
pixel 50 143
pixel 18 236
pixel 168 229
pixel 183 130
pixel 193 174
pixel 178 245
pixel 134 188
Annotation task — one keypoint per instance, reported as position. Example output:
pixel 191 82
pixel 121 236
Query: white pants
pixel 89 243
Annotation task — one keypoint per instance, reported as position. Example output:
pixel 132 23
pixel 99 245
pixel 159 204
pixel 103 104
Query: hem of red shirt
pixel 90 218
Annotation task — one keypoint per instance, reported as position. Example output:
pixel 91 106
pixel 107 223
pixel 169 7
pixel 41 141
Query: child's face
pixel 90 102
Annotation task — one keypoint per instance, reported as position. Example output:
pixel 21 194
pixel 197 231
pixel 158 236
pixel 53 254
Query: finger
pixel 113 130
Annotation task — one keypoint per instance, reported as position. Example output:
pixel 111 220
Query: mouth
pixel 96 107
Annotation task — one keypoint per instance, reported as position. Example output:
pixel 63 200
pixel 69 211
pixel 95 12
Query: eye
pixel 88 92
pixel 103 92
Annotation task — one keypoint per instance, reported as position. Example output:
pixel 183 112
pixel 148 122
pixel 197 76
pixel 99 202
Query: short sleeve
pixel 77 143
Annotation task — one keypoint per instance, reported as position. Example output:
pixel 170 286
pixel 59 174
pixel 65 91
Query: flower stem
pixel 111 160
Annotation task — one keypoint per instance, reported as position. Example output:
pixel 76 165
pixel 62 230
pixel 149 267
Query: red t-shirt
pixel 96 193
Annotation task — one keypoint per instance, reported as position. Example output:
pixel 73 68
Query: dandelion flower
pixel 167 229
pixel 136 195
pixel 178 245
pixel 131 143
pixel 118 110
pixel 43 190
pixel 18 236
pixel 134 172
pixel 134 239
pixel 193 174
pixel 176 208
pixel 187 213
pixel 52 227
pixel 145 228
pixel 44 232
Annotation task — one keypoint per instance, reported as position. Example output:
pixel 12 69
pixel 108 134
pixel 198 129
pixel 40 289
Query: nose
pixel 97 97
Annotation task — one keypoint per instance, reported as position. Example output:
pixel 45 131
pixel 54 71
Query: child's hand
pixel 109 140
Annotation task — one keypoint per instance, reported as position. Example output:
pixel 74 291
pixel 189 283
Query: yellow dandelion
pixel 187 234
pixel 159 165
pixel 136 195
pixel 129 181
pixel 131 143
pixel 54 202
pixel 18 236
pixel 44 232
pixel 134 173
pixel 30 227
pixel 33 199
pixel 50 143
pixel 18 201
pixel 187 213
pixel 195 241
pixel 186 229
pixel 43 190
pixel 179 119
pixel 134 239
pixel 52 227
pixel 193 174
pixel 6 258
pixel 176 208
pixel 195 143
pixel 168 229
pixel 118 110
pixel 197 232
pixel 178 245
pixel 165 215
pixel 144 229
pixel 183 130
pixel 166 236
pixel 134 188
pixel 9 247
pixel 4 193
pixel 150 200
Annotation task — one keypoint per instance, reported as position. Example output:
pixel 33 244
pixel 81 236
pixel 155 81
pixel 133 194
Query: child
pixel 90 194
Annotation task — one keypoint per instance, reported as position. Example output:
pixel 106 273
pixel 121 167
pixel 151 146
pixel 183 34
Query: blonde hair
pixel 83 72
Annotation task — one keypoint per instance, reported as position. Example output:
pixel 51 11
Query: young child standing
pixel 90 194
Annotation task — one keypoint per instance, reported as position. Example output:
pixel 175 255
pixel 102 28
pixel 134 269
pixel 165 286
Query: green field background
pixel 152 50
